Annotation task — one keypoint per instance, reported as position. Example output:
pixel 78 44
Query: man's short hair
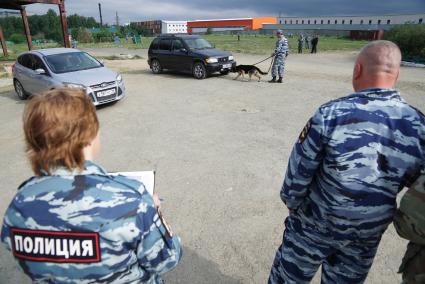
pixel 381 56
pixel 58 125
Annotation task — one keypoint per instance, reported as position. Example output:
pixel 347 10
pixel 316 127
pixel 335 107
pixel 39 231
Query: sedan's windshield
pixel 71 62
pixel 198 43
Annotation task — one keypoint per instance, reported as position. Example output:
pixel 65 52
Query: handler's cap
pixel 279 32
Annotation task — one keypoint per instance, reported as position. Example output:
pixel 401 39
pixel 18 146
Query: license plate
pixel 226 66
pixel 106 93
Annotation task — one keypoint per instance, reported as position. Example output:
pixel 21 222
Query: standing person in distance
pixel 280 53
pixel 344 173
pixel 314 43
pixel 300 43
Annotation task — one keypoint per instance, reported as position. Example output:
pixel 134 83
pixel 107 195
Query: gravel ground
pixel 220 149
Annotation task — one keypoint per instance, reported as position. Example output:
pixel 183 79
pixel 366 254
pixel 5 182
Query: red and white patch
pixel 50 246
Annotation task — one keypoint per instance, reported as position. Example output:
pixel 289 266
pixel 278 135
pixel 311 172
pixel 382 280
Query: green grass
pixel 259 44
pixel 262 44
pixel 16 49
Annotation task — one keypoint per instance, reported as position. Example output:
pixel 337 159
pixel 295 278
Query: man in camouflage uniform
pixel 409 222
pixel 352 158
pixel 280 54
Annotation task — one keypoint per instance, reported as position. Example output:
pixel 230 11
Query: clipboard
pixel 145 177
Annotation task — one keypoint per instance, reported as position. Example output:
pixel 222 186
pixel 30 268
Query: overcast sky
pixel 138 10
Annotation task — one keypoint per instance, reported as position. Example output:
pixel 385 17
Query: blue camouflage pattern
pixel 280 52
pixel 135 245
pixel 351 160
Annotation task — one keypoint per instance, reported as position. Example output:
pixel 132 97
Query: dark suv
pixel 188 53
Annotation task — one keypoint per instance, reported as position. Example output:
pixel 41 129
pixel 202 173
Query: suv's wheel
pixel 156 66
pixel 19 89
pixel 199 71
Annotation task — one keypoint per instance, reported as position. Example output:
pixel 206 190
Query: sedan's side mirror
pixel 183 50
pixel 40 71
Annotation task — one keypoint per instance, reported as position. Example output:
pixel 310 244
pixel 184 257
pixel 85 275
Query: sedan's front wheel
pixel 199 71
pixel 156 66
pixel 19 89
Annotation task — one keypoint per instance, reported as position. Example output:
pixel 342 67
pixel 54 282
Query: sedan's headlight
pixel 230 57
pixel 211 60
pixel 119 78
pixel 74 86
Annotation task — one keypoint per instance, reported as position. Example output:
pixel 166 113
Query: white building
pixel 354 20
pixel 174 27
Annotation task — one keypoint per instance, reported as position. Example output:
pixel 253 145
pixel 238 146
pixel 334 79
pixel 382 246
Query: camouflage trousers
pixel 278 66
pixel 303 251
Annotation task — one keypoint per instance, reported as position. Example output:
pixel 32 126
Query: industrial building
pixel 6 13
pixel 155 27
pixel 220 25
pixel 152 27
pixel 356 27
pixel 354 20
pixel 174 27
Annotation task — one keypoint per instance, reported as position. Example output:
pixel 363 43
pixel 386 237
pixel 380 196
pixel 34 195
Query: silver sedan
pixel 45 69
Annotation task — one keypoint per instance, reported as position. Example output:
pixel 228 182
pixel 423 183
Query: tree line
pixel 43 27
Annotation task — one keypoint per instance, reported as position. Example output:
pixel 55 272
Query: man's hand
pixel 156 201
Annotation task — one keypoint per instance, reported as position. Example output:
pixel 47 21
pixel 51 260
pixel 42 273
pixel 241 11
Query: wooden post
pixel 3 43
pixel 26 27
pixel 64 23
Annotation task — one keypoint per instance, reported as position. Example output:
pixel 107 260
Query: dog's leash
pixel 263 60
pixel 271 64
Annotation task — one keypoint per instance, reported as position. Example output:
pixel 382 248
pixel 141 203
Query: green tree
pixel 411 40
pixel 46 26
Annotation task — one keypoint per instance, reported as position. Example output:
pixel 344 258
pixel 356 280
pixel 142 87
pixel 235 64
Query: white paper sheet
pixel 146 177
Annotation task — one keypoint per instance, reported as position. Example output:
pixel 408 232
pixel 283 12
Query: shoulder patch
pixel 50 246
pixel 304 132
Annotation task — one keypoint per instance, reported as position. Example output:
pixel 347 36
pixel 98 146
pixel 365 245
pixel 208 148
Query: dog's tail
pixel 261 72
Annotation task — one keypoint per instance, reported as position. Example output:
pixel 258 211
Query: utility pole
pixel 100 14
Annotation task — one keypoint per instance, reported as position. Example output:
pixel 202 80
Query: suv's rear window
pixel 155 44
pixel 165 44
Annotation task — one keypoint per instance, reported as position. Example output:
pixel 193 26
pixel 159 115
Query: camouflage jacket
pixel 352 158
pixel 409 222
pixel 282 47
pixel 88 227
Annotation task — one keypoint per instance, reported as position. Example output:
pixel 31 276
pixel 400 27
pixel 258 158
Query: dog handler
pixel 280 54
pixel 72 222
pixel 350 161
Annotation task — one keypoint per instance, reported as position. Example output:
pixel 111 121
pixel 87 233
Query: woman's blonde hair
pixel 58 125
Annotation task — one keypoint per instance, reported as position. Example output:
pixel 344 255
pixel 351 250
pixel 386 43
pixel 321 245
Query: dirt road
pixel 220 149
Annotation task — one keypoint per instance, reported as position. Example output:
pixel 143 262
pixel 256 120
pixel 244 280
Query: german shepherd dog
pixel 251 70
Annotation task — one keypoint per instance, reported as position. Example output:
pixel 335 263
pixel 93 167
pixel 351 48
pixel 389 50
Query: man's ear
pixel 358 70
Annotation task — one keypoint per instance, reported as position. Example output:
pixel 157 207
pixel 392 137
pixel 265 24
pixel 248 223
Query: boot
pixel 280 80
pixel 273 80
